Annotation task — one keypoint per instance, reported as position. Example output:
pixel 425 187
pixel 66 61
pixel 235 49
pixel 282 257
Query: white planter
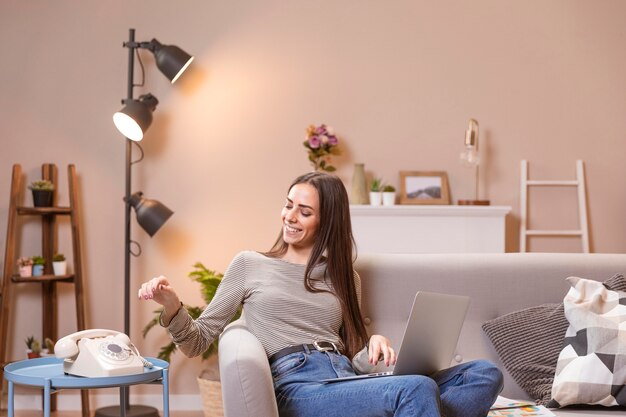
pixel 389 198
pixel 376 198
pixel 60 267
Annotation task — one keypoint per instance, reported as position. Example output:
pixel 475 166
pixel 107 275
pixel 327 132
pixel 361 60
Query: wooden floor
pixel 39 413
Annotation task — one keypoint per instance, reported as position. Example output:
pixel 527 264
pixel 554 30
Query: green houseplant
pixel 38 264
pixel 376 191
pixel 33 347
pixel 210 388
pixel 25 266
pixel 59 265
pixel 209 281
pixel 42 192
pixel 389 195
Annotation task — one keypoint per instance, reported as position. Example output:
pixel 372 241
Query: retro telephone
pixel 99 352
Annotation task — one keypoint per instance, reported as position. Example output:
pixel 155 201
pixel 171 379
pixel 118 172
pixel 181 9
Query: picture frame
pixel 424 187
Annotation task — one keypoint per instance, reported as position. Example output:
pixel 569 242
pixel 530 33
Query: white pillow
pixel 591 368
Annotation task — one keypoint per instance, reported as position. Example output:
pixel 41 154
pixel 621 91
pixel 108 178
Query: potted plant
pixel 59 265
pixel 210 387
pixel 49 350
pixel 25 266
pixel 38 263
pixel 33 347
pixel 42 193
pixel 321 142
pixel 376 188
pixel 389 195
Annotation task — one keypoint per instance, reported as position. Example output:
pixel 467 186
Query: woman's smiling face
pixel 301 216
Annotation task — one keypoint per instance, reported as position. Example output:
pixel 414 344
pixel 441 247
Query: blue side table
pixel 47 373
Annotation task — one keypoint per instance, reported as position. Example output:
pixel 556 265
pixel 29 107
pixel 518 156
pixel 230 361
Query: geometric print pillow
pixel 591 368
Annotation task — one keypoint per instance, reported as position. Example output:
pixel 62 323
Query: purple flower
pixel 332 140
pixel 320 130
pixel 314 142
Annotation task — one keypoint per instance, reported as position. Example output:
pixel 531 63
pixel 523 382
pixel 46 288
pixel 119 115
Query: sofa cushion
pixel 591 367
pixel 529 341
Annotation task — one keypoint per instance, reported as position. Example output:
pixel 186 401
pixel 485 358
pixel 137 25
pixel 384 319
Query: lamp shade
pixel 151 214
pixel 136 116
pixel 170 59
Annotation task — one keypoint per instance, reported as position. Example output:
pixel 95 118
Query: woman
pixel 301 300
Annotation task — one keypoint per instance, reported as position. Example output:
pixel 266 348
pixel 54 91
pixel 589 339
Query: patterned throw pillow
pixel 591 368
pixel 529 341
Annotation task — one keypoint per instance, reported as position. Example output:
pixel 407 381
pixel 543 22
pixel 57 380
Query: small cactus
pixel 33 344
pixel 29 342
pixel 41 185
pixel 49 345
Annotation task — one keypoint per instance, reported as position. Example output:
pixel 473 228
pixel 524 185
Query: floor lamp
pixel 133 121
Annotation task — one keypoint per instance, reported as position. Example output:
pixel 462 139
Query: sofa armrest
pixel 247 386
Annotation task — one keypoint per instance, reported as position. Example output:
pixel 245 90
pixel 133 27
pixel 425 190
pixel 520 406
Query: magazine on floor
pixel 505 407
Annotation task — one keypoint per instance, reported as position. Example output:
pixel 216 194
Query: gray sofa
pixel 497 284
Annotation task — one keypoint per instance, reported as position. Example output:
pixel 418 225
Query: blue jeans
pixel 465 390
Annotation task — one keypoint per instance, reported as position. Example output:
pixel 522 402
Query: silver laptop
pixel 430 338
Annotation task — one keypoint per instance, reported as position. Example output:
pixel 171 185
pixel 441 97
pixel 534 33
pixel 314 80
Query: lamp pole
pixel 125 409
pixel 129 153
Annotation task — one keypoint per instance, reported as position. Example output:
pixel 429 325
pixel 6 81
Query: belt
pixel 321 346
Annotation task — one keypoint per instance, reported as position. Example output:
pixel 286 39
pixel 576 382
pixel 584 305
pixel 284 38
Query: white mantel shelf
pixel 429 228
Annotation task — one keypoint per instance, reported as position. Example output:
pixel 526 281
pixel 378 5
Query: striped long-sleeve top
pixel 278 309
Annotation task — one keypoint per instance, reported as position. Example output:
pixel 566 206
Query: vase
pixel 359 185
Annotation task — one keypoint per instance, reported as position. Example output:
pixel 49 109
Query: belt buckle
pixel 331 348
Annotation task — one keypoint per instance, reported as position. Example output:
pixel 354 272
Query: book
pixel 505 407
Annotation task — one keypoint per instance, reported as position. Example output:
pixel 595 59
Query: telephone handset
pixel 99 352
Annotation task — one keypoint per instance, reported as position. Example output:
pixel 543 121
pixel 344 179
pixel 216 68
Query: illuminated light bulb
pixel 469 157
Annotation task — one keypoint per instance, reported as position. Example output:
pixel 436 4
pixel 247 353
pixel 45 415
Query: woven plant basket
pixel 211 392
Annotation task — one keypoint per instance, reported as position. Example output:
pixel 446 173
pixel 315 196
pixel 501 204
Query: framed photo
pixel 423 187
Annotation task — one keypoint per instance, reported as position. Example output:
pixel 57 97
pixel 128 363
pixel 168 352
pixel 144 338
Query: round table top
pixel 35 372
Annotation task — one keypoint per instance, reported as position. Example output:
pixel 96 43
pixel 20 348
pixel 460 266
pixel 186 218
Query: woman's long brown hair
pixel 335 241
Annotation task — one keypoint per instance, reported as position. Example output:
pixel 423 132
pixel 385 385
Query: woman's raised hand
pixel 159 290
pixel 381 346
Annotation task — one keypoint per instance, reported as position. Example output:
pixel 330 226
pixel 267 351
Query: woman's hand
pixel 159 290
pixel 380 345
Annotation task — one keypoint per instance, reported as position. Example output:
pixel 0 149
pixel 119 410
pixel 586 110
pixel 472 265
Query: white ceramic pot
pixel 59 267
pixel 389 198
pixel 376 198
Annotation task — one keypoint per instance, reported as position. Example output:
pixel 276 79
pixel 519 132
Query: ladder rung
pixel 541 182
pixel 554 233
pixel 44 210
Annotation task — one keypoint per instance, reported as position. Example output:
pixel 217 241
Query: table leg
pixel 11 404
pixel 46 398
pixel 123 401
pixel 166 393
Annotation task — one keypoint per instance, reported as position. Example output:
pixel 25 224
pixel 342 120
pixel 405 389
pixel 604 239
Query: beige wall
pixel 397 79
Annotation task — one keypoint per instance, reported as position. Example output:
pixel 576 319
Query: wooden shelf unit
pixel 48 280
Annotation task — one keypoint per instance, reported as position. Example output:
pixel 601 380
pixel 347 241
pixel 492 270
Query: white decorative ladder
pixel 579 182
